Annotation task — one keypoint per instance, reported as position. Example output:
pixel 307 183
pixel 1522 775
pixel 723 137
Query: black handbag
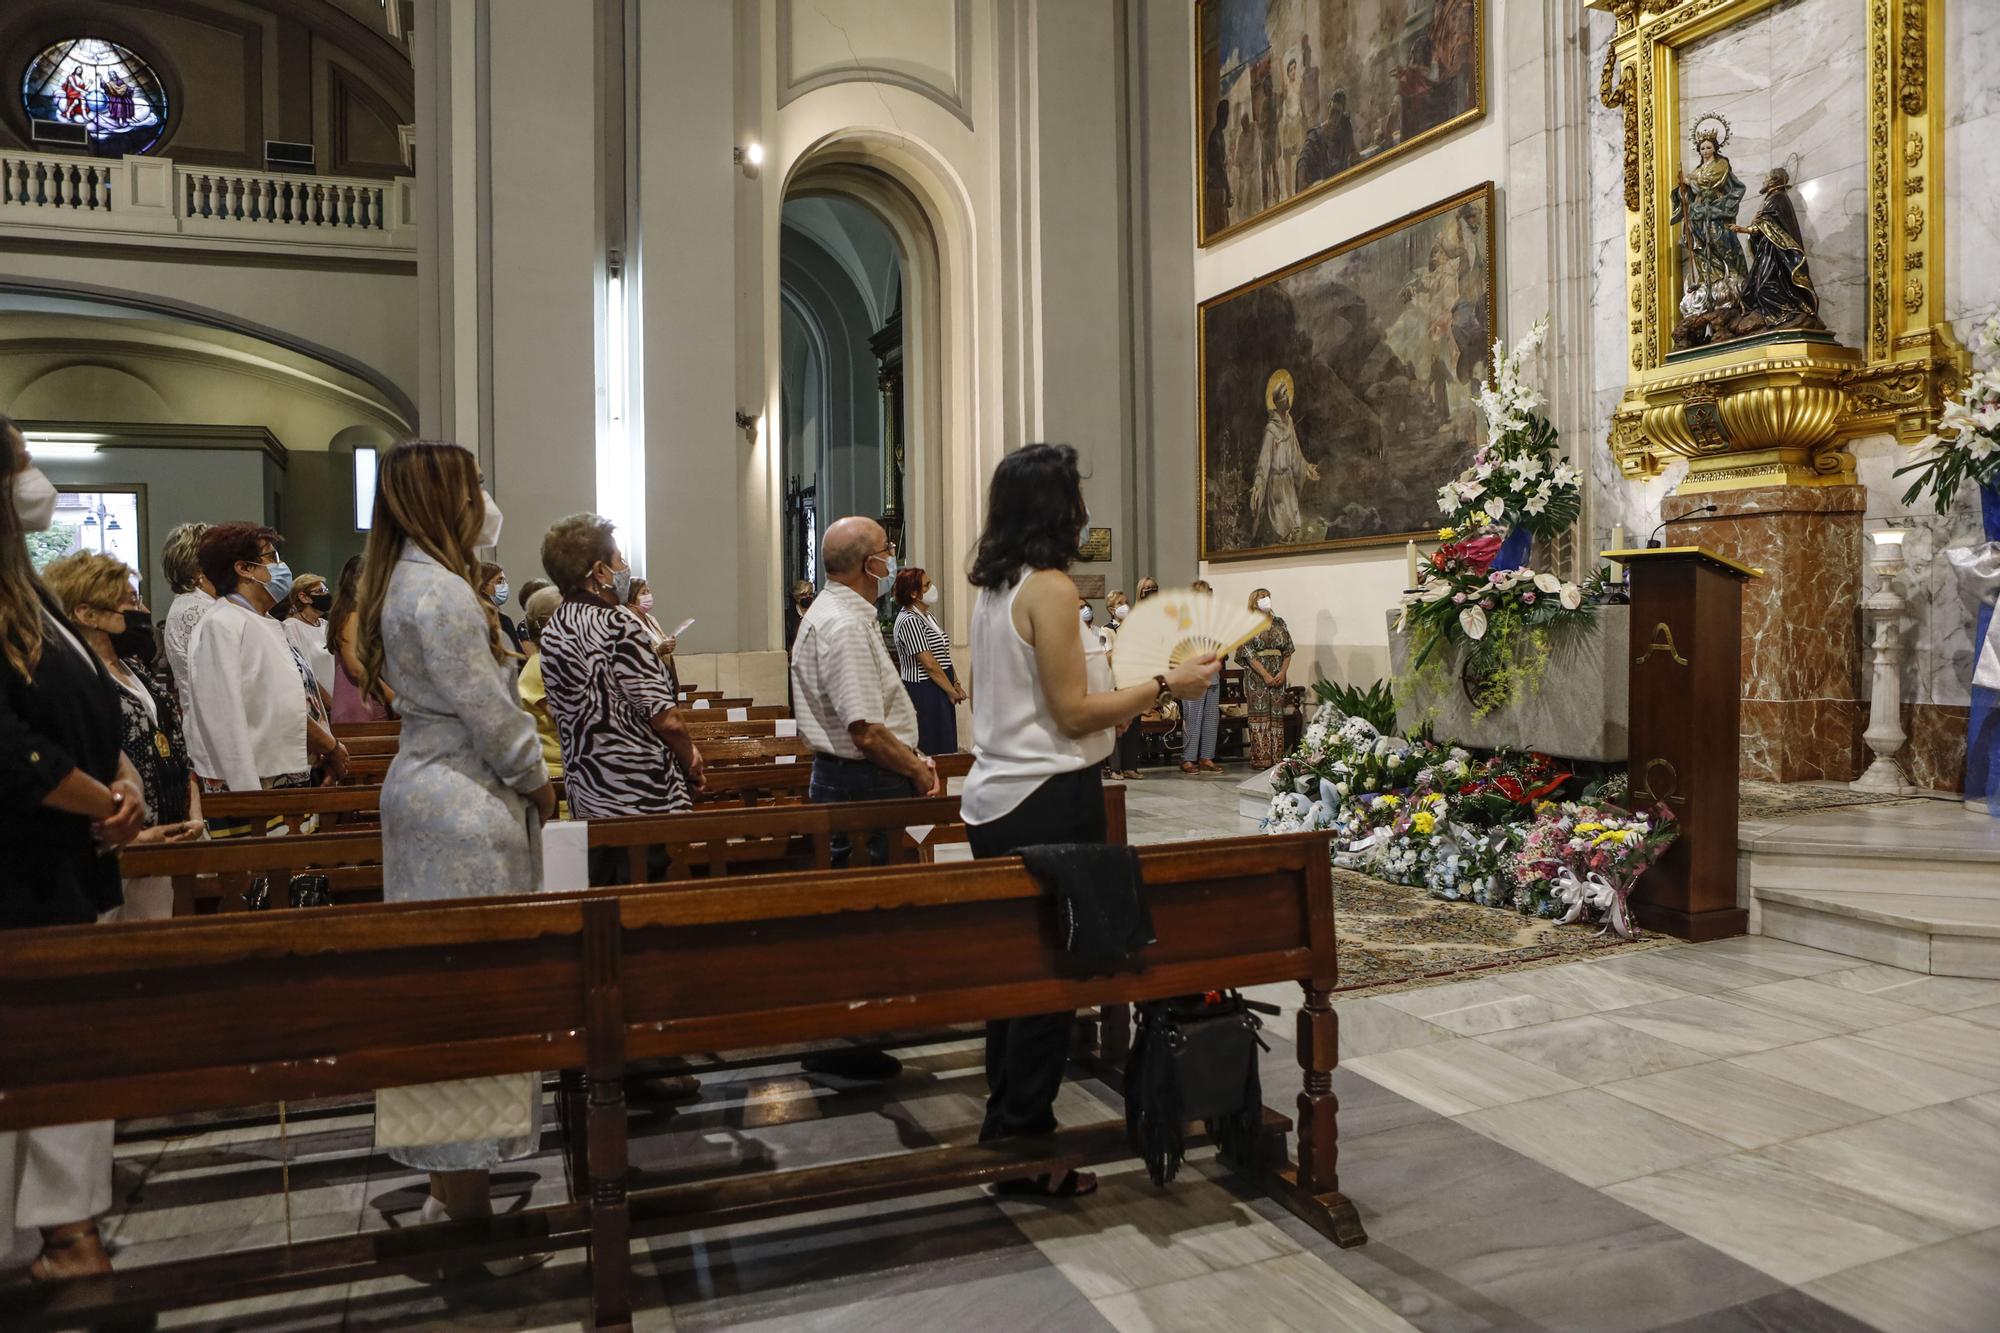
pixel 1194 1057
pixel 307 890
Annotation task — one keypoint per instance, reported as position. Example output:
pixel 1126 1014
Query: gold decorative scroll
pixel 1782 411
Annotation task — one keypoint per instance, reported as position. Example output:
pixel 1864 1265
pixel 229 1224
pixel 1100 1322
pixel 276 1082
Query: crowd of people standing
pixel 109 738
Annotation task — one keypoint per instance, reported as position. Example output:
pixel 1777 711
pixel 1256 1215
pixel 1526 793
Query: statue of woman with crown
pixel 1713 271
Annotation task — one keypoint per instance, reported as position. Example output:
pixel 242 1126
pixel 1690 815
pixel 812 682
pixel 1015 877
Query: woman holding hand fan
pixel 1045 720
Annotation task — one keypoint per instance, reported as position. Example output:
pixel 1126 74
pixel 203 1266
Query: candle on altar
pixel 1410 570
pixel 1617 544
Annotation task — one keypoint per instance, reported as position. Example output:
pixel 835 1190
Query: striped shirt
pixel 917 634
pixel 841 674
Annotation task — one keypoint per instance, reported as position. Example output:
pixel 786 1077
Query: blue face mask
pixel 279 580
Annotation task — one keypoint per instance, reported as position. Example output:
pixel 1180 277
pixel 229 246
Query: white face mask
pixel 1120 611
pixel 1264 604
pixel 931 595
pixel 885 583
pixel 1083 614
pixel 489 526
pixel 34 500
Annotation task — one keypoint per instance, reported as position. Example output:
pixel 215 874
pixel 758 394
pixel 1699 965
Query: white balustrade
pixel 266 210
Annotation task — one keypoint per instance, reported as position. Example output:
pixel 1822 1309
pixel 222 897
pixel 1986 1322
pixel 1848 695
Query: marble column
pixel 1802 707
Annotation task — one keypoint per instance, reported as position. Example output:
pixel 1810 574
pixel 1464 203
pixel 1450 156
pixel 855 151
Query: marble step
pixel 1915 885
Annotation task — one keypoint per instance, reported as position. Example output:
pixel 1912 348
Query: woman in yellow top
pixel 533 692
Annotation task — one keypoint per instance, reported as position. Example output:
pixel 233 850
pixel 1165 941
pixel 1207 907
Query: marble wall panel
pixel 1972 54
pixel 1934 758
pixel 1833 221
pixel 1972 220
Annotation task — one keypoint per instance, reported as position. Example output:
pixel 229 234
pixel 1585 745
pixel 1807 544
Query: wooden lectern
pixel 1686 693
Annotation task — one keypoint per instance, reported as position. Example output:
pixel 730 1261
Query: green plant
pixel 43 547
pixel 1376 705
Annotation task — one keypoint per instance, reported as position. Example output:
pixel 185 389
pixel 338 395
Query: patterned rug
pixel 1782 800
pixel 1393 937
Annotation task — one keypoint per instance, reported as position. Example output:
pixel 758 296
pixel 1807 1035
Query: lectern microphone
pixel 1653 543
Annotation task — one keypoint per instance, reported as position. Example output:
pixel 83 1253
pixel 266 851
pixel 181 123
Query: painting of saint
pixel 1339 393
pixel 1300 94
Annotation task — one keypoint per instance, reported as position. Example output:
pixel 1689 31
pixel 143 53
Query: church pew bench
pixel 350 730
pixel 598 980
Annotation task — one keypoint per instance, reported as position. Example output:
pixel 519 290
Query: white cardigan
pixel 248 722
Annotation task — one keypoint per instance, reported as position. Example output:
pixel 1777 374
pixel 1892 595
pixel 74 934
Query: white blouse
pixel 248 722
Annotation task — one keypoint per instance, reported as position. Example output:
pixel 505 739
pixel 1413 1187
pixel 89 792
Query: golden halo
pixel 1721 137
pixel 1279 378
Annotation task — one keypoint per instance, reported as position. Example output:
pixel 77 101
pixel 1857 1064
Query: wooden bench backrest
pixel 154 1018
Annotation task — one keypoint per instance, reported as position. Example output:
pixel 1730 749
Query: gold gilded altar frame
pixel 1777 411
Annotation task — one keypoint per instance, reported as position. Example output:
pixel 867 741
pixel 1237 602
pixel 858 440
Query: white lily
pixel 1548 583
pixel 1473 621
pixel 1572 596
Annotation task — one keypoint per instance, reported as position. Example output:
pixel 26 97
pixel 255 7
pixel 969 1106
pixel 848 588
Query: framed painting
pixel 1294 96
pixel 1338 394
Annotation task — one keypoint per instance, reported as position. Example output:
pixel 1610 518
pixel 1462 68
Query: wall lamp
pixel 750 156
pixel 748 425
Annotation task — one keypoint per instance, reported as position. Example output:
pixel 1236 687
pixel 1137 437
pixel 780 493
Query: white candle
pixel 1617 544
pixel 1410 572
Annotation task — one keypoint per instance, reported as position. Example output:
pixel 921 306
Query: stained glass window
pixel 102 86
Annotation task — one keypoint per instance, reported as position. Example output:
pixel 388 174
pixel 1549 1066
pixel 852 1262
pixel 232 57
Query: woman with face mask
pixel 258 720
pixel 305 626
pixel 1124 758
pixel 465 798
pixel 1202 717
pixel 97 592
pixel 923 658
pixel 493 587
pixel 1265 661
pixel 72 799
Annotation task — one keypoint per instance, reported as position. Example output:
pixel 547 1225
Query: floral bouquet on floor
pixel 1587 858
pixel 1966 446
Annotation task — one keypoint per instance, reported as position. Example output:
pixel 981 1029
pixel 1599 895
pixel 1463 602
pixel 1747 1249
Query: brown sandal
pixel 1073 1185
pixel 73 1236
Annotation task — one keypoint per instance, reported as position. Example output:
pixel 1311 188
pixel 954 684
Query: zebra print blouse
pixel 604 682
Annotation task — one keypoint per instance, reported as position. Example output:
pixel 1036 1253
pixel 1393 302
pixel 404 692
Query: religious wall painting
pixel 1338 394
pixel 108 90
pixel 1297 95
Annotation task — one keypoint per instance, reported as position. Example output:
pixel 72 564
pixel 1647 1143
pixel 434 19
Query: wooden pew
pixel 148 1018
pixel 211 876
pixel 350 730
pixel 735 752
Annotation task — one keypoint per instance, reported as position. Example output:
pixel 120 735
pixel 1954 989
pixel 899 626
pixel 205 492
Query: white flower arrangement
pixel 1966 444
pixel 1514 480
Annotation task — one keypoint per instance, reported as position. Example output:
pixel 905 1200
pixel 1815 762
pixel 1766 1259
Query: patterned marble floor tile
pixel 1788 1223
pixel 1793 960
pixel 1951 1287
pixel 1712 1026
pixel 1594 1137
pixel 1940 1162
pixel 1969 1048
pixel 1133 1234
pixel 1986 1015
pixel 1870 1074
pixel 1470 1008
pixel 1296 1292
pixel 1787 1311
pixel 1589 987
pixel 1940 995
pixel 1692 970
pixel 1458 1076
pixel 1828 1008
pixel 1437 1173
pixel 1747 1108
pixel 1592 1049
pixel 1369 1027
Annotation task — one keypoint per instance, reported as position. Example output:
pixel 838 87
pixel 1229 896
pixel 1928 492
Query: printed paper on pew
pixel 787 759
pixel 701 703
pixel 787 726
pixel 739 715
pixel 919 832
pixel 565 855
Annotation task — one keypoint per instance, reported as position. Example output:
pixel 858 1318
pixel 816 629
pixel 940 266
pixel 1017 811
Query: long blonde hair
pixel 426 492
pixel 20 603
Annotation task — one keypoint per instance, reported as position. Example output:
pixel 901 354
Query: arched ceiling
pixel 858 241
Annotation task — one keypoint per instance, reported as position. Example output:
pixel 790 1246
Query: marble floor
pixel 1746 1135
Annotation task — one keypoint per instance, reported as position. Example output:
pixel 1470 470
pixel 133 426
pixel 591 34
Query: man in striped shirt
pixel 853 711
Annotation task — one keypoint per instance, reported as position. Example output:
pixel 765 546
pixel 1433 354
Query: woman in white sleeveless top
pixel 1044 720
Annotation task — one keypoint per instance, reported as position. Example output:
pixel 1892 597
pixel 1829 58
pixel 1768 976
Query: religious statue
pixel 1780 293
pixel 1281 465
pixel 1713 274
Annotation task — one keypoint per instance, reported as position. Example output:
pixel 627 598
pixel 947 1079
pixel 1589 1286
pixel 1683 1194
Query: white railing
pixel 109 198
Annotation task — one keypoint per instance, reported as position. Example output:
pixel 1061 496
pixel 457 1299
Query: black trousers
pixel 1025 1056
pixel 836 779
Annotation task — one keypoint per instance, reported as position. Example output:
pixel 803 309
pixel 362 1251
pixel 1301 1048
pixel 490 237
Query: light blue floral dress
pixel 455 819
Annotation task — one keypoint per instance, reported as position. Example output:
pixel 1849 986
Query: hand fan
pixel 1177 625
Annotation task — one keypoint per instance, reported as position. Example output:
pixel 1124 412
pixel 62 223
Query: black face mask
pixel 321 602
pixel 136 639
